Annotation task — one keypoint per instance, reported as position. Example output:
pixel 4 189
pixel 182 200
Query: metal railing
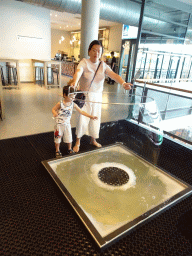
pixel 172 102
pixel 149 82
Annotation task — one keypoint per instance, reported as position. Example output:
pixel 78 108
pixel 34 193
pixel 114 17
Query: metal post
pixel 129 60
pixel 182 68
pixel 189 69
pixel 178 62
pixel 156 66
pixel 161 67
pixel 138 38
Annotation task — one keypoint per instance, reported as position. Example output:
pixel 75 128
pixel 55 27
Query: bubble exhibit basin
pixel 113 190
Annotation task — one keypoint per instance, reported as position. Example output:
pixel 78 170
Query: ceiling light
pixel 55 15
pixel 59 41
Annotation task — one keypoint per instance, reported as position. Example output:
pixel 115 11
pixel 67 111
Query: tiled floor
pixel 28 110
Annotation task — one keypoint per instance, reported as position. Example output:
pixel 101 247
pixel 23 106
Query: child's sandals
pixel 58 154
pixel 70 152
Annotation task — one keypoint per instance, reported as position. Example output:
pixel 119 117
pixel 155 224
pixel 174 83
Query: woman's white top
pixel 88 69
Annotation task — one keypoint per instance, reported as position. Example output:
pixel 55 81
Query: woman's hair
pixel 68 89
pixel 95 42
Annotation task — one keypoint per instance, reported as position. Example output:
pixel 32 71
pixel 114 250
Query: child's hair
pixel 68 89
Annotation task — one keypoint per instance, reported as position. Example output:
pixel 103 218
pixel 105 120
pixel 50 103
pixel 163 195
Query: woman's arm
pixel 119 80
pixel 55 109
pixel 76 77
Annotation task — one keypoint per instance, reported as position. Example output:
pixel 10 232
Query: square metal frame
pixel 104 242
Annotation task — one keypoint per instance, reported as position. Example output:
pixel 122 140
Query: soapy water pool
pixel 108 206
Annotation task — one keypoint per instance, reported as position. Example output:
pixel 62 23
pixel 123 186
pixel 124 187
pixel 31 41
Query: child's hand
pixel 94 117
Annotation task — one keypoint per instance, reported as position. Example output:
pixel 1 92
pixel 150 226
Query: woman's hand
pixel 76 77
pixel 127 86
pixel 119 80
pixel 94 117
pixel 72 83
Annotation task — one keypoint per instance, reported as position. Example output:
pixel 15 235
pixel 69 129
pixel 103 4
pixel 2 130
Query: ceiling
pixel 72 22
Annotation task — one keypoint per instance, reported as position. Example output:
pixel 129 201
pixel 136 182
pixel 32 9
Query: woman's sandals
pixel 76 148
pixel 96 144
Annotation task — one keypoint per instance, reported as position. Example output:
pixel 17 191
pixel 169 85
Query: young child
pixel 62 112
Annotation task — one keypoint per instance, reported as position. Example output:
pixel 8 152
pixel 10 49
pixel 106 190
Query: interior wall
pixel 26 70
pixel 25 31
pixel 115 38
pixel 55 46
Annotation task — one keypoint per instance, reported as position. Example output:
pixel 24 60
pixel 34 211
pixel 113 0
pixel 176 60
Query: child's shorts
pixel 62 131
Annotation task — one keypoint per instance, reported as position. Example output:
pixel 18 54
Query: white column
pixel 90 12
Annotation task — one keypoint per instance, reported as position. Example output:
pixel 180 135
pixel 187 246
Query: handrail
pixel 163 86
pixel 166 79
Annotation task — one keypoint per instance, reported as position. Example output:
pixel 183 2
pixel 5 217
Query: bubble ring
pixel 96 168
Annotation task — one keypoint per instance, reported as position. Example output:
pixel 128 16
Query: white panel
pixel 25 31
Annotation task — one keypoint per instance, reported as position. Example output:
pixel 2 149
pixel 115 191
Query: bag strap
pixel 95 74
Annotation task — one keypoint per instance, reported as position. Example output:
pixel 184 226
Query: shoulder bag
pixel 80 96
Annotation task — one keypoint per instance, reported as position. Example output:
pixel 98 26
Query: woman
pixel 84 75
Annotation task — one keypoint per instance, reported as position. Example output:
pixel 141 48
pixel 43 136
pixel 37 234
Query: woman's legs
pixel 95 143
pixel 82 126
pixel 77 145
pixel 85 124
pixel 94 125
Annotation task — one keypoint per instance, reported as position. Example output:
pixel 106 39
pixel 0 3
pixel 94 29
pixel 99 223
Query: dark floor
pixel 36 219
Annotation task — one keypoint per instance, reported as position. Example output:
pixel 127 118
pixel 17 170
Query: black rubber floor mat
pixel 16 150
pixel 43 144
pixel 36 219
